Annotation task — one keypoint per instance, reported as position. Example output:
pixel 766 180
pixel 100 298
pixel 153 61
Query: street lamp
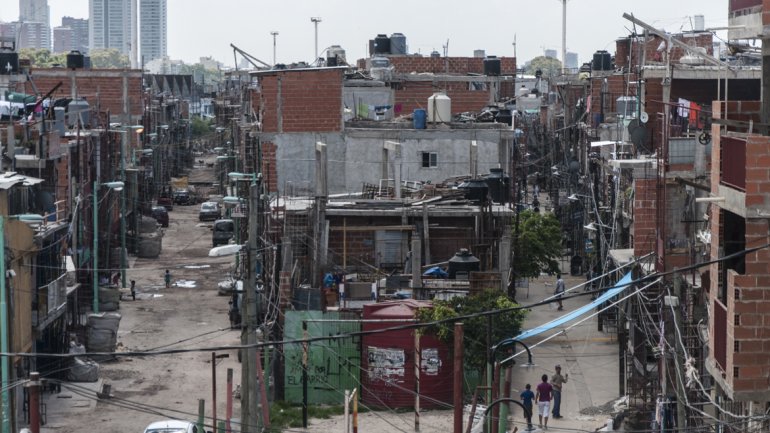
pixel 315 21
pixel 274 34
pixel 595 226
pixel 117 186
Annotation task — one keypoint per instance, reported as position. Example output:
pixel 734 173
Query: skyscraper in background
pixel 112 24
pixel 79 28
pixel 572 60
pixel 152 30
pixel 35 22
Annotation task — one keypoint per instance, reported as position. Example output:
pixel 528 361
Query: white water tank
pixel 439 108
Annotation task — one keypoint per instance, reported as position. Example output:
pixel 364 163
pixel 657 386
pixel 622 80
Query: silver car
pixel 172 426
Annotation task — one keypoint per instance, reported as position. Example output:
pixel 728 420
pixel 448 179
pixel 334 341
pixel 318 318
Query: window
pixel 429 159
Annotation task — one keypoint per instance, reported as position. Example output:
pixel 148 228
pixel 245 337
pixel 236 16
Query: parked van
pixel 222 231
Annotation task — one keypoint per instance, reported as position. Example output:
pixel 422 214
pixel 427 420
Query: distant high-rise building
pixel 79 28
pixel 152 30
pixel 572 60
pixel 37 14
pixel 112 24
pixel 62 39
pixel 550 53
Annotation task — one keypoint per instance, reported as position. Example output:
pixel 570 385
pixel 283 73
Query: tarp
pixel 572 315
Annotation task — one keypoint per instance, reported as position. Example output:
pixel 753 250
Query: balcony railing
pixel 720 334
pixel 733 158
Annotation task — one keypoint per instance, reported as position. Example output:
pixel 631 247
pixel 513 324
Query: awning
pixel 572 315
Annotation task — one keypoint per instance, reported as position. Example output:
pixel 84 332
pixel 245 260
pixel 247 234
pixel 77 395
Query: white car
pixel 172 426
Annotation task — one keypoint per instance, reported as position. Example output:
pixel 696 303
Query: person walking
pixel 559 291
pixel 557 380
pixel 526 400
pixel 167 278
pixel 543 397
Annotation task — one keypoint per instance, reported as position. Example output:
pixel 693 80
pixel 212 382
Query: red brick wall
pixel 412 95
pixel 622 60
pixel 309 100
pixel 102 87
pixel 645 216
pixel 441 65
pixel 269 162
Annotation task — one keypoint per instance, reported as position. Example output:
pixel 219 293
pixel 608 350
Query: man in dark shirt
pixel 543 397
pixel 526 399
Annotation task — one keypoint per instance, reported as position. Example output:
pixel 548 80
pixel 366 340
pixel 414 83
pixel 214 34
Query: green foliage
pixel 551 67
pixel 42 58
pixel 201 74
pixel 284 415
pixel 108 58
pixel 537 246
pixel 199 127
pixel 505 325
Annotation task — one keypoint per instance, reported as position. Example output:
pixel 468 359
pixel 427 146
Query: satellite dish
pixel 644 117
pixel 704 138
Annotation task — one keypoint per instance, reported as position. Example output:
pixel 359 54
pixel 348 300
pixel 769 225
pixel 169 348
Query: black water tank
pixel 499 185
pixel 504 116
pixel 476 190
pixel 9 62
pixel 492 66
pixel 382 44
pixel 602 61
pixel 75 60
pixel 464 262
pixel 331 60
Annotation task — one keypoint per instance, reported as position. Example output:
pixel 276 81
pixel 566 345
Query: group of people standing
pixel 545 393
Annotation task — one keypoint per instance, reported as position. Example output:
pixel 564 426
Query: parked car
pixel 222 231
pixel 210 211
pixel 182 197
pixel 161 215
pixel 166 202
pixel 172 426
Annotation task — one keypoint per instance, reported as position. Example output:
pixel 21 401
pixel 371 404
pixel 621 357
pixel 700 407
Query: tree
pixel 201 74
pixel 537 244
pixel 548 65
pixel 199 127
pixel 42 58
pixel 108 58
pixel 506 324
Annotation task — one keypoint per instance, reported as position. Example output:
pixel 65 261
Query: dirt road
pixel 188 315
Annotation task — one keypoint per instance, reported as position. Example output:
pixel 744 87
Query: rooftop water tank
pixel 499 185
pixel 398 44
pixel 439 108
pixel 382 44
pixel 464 262
pixel 435 53
pixel 335 56
pixel 492 66
pixel 602 61
pixel 479 53
pixel 10 62
pixel 476 190
pixel 78 109
pixel 75 60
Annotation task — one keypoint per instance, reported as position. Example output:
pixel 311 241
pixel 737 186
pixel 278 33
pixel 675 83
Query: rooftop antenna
pixel 564 34
pixel 315 21
pixel 274 34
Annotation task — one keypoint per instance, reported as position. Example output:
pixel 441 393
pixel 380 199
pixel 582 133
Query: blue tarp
pixel 435 272
pixel 572 315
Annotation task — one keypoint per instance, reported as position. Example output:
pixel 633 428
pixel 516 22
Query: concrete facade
pixel 153 30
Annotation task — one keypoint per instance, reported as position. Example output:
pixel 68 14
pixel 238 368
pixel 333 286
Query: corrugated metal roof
pixel 9 179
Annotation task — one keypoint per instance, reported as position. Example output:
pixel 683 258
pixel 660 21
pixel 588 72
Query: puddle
pixel 187 284
pixel 196 266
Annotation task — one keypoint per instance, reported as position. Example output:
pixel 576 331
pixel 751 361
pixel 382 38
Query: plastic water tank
pixel 75 60
pixel 335 56
pixel 398 44
pixel 78 109
pixel 439 108
pixel 419 118
pixel 602 61
pixel 382 44
pixel 479 53
pixel 492 66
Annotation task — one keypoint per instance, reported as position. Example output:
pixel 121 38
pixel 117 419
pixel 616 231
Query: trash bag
pixel 83 370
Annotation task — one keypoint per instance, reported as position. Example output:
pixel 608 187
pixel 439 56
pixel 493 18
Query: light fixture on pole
pixel 595 226
pixel 274 34
pixel 315 21
pixel 576 197
pixel 117 186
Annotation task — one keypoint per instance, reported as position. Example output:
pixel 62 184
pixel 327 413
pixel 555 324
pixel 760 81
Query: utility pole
pixel 249 396
pixel 275 33
pixel 315 21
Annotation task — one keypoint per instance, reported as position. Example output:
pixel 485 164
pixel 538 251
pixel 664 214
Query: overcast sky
pixel 206 28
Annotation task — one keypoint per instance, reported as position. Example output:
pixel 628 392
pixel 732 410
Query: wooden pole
pixel 417 362
pixel 344 243
pixel 458 379
pixel 355 410
pixel 347 411
pixel 214 390
pixel 305 347
pixel 229 412
pixel 263 392
pixel 34 402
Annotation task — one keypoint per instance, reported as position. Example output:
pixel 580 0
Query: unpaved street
pixel 188 315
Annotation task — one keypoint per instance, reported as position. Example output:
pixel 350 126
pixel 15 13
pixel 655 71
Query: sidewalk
pixel 589 356
pixel 74 398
